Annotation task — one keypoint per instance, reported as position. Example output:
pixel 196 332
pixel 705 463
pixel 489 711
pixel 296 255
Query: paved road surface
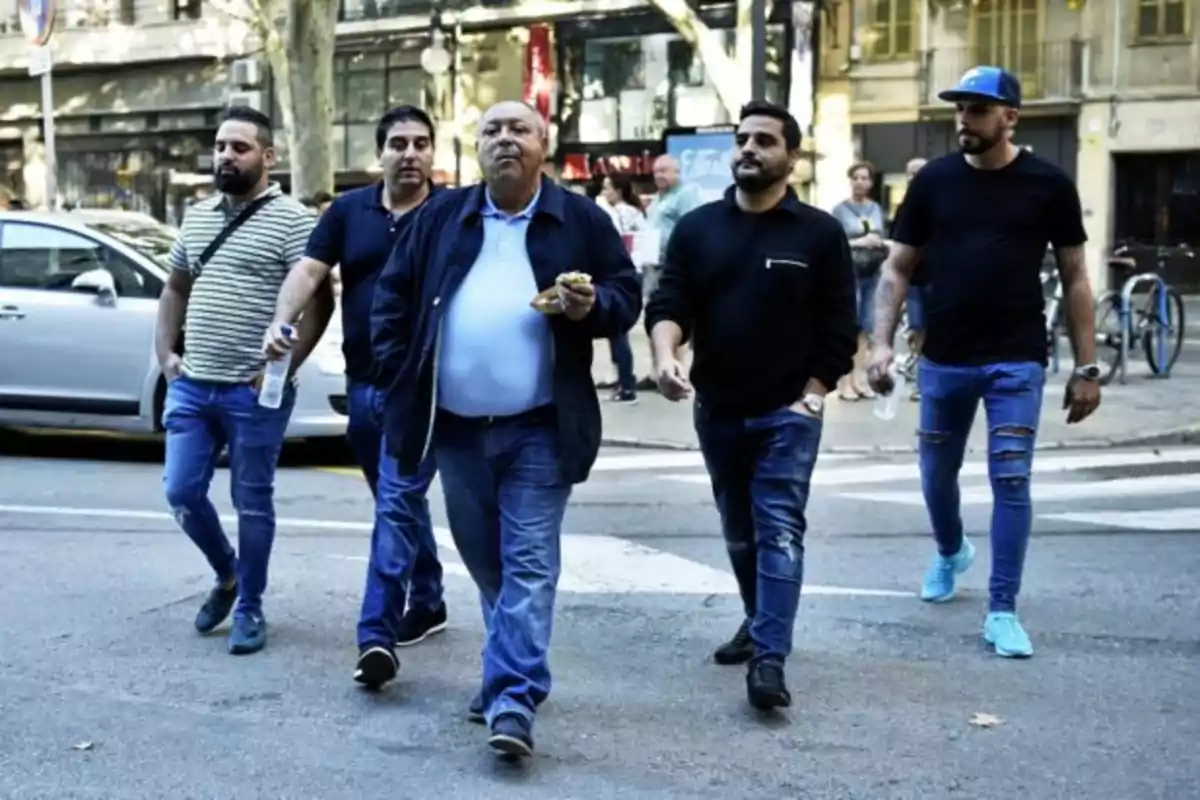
pixel 98 652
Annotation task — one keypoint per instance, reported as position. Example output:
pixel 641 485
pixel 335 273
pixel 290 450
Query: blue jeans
pixel 622 356
pixel 505 501
pixel 1012 399
pixel 200 419
pixel 404 561
pixel 760 469
pixel 864 286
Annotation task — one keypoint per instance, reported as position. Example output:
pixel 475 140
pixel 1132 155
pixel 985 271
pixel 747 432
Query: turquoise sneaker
pixel 1003 631
pixel 938 586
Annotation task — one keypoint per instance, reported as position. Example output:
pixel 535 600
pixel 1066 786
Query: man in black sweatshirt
pixel 763 286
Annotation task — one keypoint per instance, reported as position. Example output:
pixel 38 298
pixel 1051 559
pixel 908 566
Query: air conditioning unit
pixel 245 73
pixel 252 99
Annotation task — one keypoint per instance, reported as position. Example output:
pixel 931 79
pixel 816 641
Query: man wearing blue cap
pixel 979 223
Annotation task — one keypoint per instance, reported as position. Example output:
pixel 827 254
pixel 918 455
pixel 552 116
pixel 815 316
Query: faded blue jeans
pixel 761 468
pixel 403 527
pixel 200 418
pixel 505 501
pixel 1012 399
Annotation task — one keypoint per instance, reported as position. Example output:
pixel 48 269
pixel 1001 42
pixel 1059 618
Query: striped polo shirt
pixel 233 297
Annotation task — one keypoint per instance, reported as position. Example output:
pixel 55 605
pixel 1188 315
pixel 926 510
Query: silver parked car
pixel 78 303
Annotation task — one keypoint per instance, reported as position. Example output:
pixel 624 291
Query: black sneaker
pixel 475 711
pixel 216 608
pixel 417 625
pixel 765 687
pixel 626 396
pixel 376 666
pixel 737 650
pixel 512 735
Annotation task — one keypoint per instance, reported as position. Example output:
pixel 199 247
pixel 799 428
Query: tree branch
pixel 253 16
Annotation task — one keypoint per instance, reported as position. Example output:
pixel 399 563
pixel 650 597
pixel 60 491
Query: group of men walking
pixel 453 369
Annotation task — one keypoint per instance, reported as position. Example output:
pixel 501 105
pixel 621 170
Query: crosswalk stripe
pixel 878 473
pixel 1148 486
pixel 591 564
pixel 1164 519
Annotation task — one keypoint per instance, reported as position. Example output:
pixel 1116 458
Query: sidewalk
pixel 1144 410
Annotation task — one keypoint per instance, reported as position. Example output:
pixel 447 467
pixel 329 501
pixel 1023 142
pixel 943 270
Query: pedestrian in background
pixel 862 220
pixel 977 223
pixel 764 287
pixel 501 391
pixel 358 231
pixel 227 265
pixel 915 299
pixel 618 198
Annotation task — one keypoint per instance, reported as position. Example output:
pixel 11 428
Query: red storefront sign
pixel 539 70
pixel 582 166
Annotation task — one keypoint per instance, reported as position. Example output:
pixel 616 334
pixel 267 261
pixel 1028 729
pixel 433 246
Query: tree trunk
pixel 299 40
pixel 732 85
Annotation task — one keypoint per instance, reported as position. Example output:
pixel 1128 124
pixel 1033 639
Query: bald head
pixel 666 173
pixel 512 146
pixel 913 167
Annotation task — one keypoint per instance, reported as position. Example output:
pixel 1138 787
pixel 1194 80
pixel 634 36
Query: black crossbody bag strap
pixel 246 213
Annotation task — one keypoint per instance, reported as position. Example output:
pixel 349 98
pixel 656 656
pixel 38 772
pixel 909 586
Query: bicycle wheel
pixel 1168 331
pixel 1109 333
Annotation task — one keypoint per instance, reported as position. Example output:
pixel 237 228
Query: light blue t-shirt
pixel 497 351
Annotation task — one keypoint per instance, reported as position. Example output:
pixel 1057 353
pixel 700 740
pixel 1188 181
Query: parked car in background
pixel 78 303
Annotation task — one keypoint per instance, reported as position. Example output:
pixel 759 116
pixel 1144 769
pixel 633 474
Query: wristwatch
pixel 814 403
pixel 1087 372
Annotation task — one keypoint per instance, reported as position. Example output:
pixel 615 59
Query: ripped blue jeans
pixel 760 469
pixel 1012 400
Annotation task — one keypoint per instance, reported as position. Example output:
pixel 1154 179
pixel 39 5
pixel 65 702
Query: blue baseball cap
pixel 987 85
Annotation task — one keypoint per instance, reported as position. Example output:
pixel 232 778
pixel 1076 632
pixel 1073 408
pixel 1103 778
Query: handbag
pixel 246 213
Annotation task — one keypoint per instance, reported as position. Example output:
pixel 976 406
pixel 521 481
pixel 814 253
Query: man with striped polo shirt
pixel 232 255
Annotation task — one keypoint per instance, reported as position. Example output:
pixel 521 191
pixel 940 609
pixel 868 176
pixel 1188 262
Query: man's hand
pixel 871 239
pixel 1080 399
pixel 672 379
pixel 577 299
pixel 172 367
pixel 277 341
pixel 879 369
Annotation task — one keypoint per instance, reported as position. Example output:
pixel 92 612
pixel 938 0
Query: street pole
pixel 50 156
pixel 37 23
pixel 758 49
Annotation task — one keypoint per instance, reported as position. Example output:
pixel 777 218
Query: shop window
pixel 365 86
pixel 635 87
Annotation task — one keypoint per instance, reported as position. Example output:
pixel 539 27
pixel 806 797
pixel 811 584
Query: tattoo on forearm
pixel 886 307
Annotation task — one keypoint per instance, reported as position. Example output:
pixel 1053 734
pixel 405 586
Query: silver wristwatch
pixel 1087 372
pixel 814 403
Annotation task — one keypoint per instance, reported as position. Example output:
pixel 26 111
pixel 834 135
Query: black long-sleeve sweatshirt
pixel 767 299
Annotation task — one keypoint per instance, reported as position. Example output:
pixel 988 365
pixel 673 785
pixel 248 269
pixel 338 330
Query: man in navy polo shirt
pixel 358 232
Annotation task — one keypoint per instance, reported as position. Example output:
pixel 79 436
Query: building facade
pixel 1112 95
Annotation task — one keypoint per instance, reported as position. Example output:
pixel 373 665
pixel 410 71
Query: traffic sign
pixel 37 20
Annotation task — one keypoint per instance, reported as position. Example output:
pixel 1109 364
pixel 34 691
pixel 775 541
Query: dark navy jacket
pixel 568 232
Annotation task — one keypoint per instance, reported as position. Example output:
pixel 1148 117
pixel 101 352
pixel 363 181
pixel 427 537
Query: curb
pixel 1185 434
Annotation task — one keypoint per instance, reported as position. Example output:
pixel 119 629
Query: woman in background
pixel 862 220
pixel 623 205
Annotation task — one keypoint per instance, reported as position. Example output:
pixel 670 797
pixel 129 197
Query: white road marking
pixel 1166 519
pixel 1148 486
pixel 592 564
pixel 677 460
pixel 879 473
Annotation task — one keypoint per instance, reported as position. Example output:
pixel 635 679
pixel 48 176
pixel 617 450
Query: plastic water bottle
pixel 886 405
pixel 275 377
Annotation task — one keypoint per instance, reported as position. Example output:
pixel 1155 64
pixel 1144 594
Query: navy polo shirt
pixel 357 233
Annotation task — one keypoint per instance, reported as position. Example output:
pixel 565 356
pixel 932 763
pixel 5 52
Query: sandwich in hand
pixel 549 301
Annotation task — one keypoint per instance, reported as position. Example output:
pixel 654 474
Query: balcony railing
pixel 1049 71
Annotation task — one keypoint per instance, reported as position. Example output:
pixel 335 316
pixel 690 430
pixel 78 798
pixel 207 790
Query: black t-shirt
pixel 983 236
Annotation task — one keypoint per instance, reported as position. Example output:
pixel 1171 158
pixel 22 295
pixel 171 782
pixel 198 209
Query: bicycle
pixel 1157 326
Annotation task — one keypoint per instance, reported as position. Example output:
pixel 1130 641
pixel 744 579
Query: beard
pixel 759 181
pixel 974 144
pixel 236 183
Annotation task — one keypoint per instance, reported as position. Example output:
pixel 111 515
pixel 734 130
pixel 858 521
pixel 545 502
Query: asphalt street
pixel 106 691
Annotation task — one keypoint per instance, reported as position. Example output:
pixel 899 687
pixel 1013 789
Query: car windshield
pixel 151 239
